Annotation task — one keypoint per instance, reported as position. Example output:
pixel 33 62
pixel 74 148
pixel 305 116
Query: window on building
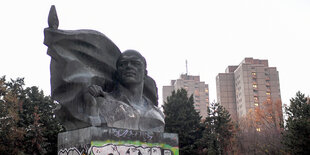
pixel 258 129
pixel 254 73
pixel 254 85
pixel 256 104
pixel 196 93
pixel 268 93
pixel 206 90
pixel 255 99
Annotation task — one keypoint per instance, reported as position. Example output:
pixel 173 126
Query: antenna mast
pixel 186 67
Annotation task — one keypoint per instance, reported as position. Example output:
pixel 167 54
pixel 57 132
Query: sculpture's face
pixel 131 68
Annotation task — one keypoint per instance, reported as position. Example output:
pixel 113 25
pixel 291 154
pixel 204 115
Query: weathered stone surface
pixel 99 140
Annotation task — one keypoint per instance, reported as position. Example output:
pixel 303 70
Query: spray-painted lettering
pixel 112 149
pixel 70 151
pixel 130 133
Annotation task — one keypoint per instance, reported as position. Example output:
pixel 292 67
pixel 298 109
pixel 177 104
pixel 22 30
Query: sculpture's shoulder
pixel 154 109
pixel 153 118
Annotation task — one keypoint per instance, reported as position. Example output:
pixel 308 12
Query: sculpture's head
pixel 131 68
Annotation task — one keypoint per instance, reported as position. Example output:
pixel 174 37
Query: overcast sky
pixel 209 34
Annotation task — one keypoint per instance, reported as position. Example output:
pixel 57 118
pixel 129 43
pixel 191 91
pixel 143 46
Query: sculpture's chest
pixel 121 115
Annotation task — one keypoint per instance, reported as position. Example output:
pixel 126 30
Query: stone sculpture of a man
pixel 126 107
pixel 96 84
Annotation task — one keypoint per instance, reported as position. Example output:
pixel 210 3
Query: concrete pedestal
pixel 114 141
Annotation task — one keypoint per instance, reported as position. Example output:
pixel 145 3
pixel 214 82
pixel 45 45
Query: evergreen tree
pixel 183 119
pixel 218 131
pixel 38 116
pixel 34 125
pixel 296 136
pixel 11 134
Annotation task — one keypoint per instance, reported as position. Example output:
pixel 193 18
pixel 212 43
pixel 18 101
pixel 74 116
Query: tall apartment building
pixel 248 85
pixel 194 86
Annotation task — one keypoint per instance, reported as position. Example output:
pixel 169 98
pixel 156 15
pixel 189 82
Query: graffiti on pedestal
pixel 79 150
pixel 70 151
pixel 112 149
pixel 130 133
pixel 103 148
pixel 131 148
